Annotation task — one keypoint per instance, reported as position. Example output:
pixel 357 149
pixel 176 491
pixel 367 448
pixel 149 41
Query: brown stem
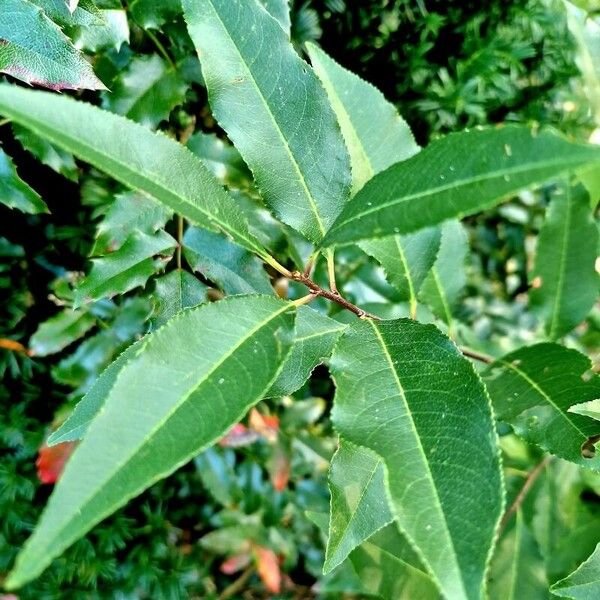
pixel 531 479
pixel 484 358
pixel 237 585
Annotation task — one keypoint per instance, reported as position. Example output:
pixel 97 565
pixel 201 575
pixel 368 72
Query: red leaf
pixel 265 425
pixel 238 435
pixel 279 468
pixel 51 461
pixel 234 563
pixel 267 566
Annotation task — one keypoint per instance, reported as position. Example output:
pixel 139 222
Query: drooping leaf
pixel 113 33
pixel 315 338
pixel 147 91
pixel 132 154
pixel 152 14
pixel 533 388
pixel 359 506
pixel 59 331
pixel 405 392
pixel 85 15
pixel 130 211
pixel 458 175
pixel 274 109
pixel 36 51
pixel 130 266
pixel 230 266
pixel 517 570
pixel 444 284
pixel 175 292
pixel 566 284
pixel 279 10
pixel 375 134
pixel 584 583
pixel 164 408
pixel 14 192
pixel 87 408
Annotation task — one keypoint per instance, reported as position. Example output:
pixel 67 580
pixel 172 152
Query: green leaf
pixel 112 34
pixel 390 569
pixel 76 425
pixel 218 476
pixel 279 10
pixel 517 570
pixel 406 260
pixel 375 134
pixel 458 175
pixel 315 338
pixel 130 266
pixel 230 266
pixel 444 284
pixel 153 14
pixel 584 583
pixel 164 408
pixel 566 282
pixel 130 211
pixel 35 50
pixel 14 192
pixel 59 331
pixel 175 292
pixel 131 154
pixel 56 158
pixel 587 409
pixel 147 91
pixel 85 15
pixel 533 388
pixel 406 392
pixel 274 110
pixel 359 506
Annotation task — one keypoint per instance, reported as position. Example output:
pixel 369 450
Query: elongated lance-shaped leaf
pixel 127 268
pixel 564 277
pixel 139 158
pixel 35 50
pixel 458 175
pixel 274 109
pixel 315 338
pixel 517 570
pixel 165 407
pixel 532 390
pixel 405 391
pixel 14 192
pixel 359 505
pixel 59 331
pixel 444 284
pixel 584 583
pixel 89 406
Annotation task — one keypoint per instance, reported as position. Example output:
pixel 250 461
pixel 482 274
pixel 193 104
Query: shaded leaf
pixel 130 266
pixel 359 506
pixel 533 388
pixel 455 176
pixel 218 476
pixel 152 14
pixel 256 82
pixel 131 154
pixel 113 33
pixel 405 392
pixel 36 51
pixel 584 583
pixel 164 408
pixel 59 331
pixel 230 266
pixel 565 279
pixel 14 192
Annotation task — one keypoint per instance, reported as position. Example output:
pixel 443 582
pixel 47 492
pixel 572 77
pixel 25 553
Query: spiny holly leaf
pixel 359 506
pixel 175 292
pixel 130 211
pixel 406 392
pixel 14 192
pixel 274 110
pixel 153 14
pixel 444 284
pixel 85 15
pixel 230 266
pixel 517 570
pixel 315 338
pixel 35 50
pixel 87 408
pixel 147 91
pixel 132 154
pixel 565 279
pixel 584 583
pixel 59 331
pixel 164 408
pixel 533 388
pixel 113 33
pixel 279 10
pixel 130 266
pixel 458 175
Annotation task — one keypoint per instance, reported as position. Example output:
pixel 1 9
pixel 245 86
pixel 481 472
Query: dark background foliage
pixel 447 65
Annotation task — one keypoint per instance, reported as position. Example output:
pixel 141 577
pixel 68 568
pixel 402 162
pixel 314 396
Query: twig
pixel 237 585
pixel 531 479
pixel 14 346
pixel 484 358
